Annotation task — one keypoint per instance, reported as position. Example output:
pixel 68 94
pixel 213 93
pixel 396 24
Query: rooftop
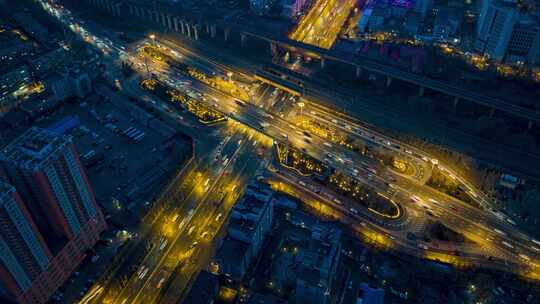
pixel 228 256
pixel 322 248
pixel 204 289
pixel 265 298
pixel 34 149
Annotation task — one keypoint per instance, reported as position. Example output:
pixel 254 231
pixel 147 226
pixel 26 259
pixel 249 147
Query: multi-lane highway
pixel 230 163
pixel 481 226
pixel 323 23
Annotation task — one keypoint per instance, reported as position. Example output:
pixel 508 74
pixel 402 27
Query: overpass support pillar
pixel 323 63
pixel 226 34
pixel 188 29
pixel 207 28
pixel 170 23
pixel 243 39
pixel 163 20
pixel 273 48
pixel 182 27
pixel 212 31
pixel 491 112
pixel 530 125
pixel 456 101
pixel 421 91
pixel 196 32
pixel 358 72
pixel 175 21
pixel 388 81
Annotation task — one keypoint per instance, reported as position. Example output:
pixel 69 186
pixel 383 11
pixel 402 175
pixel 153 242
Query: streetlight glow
pixel 301 105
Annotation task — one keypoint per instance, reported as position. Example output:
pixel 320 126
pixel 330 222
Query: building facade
pixel 249 223
pixel 45 169
pixel 422 7
pixel 505 35
pixel 496 29
pixel 23 253
pixel 524 44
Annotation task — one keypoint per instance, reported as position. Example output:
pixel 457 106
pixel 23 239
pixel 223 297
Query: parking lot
pixel 126 169
pixel 123 170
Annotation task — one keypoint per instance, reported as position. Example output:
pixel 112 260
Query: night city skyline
pixel 269 151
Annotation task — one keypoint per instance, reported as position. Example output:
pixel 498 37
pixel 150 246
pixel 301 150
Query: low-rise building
pixel 307 259
pixel 204 290
pixel 10 82
pixel 446 24
pixel 249 223
pixel 318 264
pixel 32 27
pixel 71 84
pixel 370 295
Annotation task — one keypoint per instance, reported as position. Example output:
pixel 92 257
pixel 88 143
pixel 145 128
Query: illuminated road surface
pixel 323 23
pixel 495 236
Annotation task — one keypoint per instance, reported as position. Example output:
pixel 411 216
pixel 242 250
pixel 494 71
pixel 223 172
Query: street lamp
pixel 301 105
pixel 153 37
pixel 229 75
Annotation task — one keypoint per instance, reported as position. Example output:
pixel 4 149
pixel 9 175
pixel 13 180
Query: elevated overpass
pixel 197 25
pixel 361 63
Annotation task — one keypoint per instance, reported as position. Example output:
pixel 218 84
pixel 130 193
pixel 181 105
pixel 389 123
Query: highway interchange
pixel 499 243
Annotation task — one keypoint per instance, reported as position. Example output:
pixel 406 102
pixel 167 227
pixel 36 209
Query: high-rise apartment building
pixel 45 169
pixel 23 253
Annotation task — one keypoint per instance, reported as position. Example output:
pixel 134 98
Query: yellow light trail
pixel 322 24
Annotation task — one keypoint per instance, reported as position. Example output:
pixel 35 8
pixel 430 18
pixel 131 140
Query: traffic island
pixel 303 164
pixel 402 166
pixel 221 83
pixel 437 231
pixel 449 185
pixel 442 244
pixel 204 113
pixel 325 131
pixel 366 196
pixel 155 53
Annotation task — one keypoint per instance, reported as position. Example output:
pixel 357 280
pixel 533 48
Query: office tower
pixel 422 7
pixel 481 6
pixel 524 44
pixel 496 29
pixel 46 171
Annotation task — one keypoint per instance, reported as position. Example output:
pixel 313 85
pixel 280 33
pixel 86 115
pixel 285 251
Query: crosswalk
pixel 419 226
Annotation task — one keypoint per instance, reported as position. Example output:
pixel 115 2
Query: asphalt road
pixel 474 223
pixel 496 237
